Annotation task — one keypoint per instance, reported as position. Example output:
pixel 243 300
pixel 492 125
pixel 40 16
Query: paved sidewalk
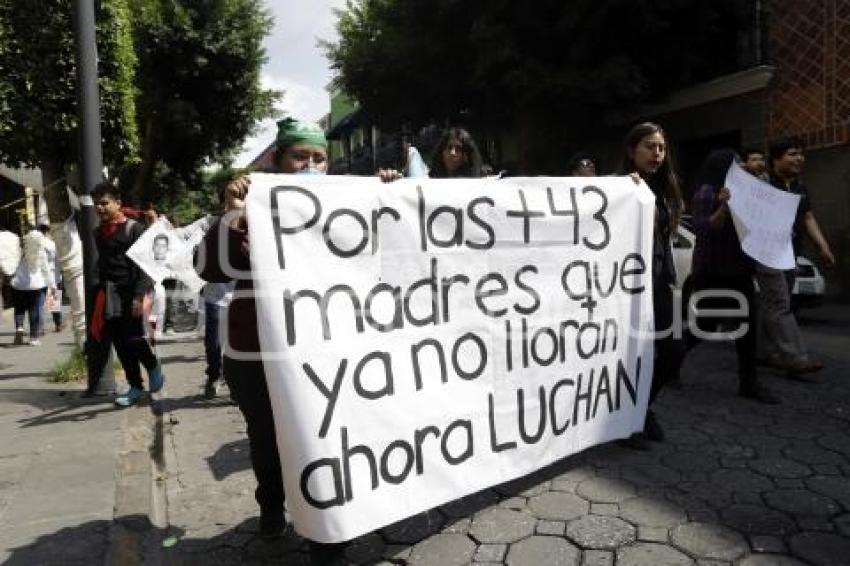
pixel 57 459
pixel 735 483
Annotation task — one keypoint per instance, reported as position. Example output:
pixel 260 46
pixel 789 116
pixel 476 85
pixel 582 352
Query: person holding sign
pixel 723 273
pixel 647 157
pixel 783 342
pixel 779 336
pixel 301 149
pixel 455 156
pixel 786 166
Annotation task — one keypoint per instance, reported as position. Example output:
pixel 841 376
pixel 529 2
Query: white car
pixel 809 284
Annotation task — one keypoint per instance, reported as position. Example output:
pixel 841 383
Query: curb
pixel 139 515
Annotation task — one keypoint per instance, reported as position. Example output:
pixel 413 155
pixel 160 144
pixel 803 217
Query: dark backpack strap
pixel 128 227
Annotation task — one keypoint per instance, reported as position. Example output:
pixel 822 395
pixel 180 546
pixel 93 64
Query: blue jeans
pixel 212 339
pixel 32 303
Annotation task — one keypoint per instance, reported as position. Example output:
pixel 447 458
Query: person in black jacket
pixel 647 157
pixel 121 290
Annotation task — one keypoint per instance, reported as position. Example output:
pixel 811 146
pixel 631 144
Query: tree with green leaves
pixel 199 87
pixel 38 108
pixel 545 71
pixel 38 89
pixel 183 77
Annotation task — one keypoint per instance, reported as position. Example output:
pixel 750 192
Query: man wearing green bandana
pixel 301 148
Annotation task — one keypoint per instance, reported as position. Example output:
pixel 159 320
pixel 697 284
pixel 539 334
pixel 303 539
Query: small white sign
pixel 163 254
pixel 763 217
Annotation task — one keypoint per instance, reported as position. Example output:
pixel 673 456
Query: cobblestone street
pixel 735 483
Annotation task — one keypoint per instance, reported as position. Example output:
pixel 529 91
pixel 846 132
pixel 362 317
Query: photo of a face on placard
pixel 158 251
pixel 164 254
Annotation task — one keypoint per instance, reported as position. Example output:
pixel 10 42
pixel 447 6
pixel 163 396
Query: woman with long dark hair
pixel 456 155
pixel 647 157
pixel 720 265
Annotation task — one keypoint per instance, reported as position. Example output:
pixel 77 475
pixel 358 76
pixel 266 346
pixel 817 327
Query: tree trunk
pixel 69 249
pixel 143 176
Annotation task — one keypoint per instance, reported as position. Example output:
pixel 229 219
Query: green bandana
pixel 290 132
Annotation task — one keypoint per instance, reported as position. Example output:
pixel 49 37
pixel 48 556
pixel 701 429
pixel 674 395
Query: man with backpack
pixel 122 288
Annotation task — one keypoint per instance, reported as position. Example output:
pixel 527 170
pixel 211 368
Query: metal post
pixel 100 377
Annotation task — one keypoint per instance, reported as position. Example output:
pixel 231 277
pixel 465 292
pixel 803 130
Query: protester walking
pixel 720 267
pixel 55 296
pixel 779 338
pixel 648 158
pixel 30 284
pixel 122 289
pixel 301 149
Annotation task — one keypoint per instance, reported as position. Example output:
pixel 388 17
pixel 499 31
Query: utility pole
pixel 98 360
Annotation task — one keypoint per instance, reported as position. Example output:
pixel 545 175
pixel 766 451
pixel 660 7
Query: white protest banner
pixel 763 217
pixel 426 339
pixel 163 254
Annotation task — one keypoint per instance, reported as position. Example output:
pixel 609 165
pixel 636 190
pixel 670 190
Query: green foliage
pixel 71 370
pixel 38 106
pixel 74 368
pixel 184 204
pixel 486 62
pixel 199 80
pixel 179 85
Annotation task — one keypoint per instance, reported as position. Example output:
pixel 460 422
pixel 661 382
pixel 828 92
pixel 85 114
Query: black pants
pixel 127 334
pixel 247 383
pixel 669 349
pixel 212 340
pixel 30 302
pixel 745 345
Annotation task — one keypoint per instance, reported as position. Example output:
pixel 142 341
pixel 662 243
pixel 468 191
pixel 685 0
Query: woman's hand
pixel 635 177
pixel 389 175
pixel 718 217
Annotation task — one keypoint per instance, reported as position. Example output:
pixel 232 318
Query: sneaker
pixel 19 337
pixel 272 524
pixel 35 342
pixel 652 429
pixel 758 393
pixel 210 390
pixel 131 397
pixel 156 379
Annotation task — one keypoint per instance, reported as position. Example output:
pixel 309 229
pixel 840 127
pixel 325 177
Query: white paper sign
pixel 763 217
pixel 163 254
pixel 425 339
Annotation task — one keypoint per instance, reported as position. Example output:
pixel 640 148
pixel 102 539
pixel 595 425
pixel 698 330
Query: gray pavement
pixel 735 483
pixel 57 459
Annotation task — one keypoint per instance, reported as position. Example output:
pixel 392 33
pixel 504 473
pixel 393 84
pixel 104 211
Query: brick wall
pixel 809 42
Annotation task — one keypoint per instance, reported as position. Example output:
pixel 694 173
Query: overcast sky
pixel 295 65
